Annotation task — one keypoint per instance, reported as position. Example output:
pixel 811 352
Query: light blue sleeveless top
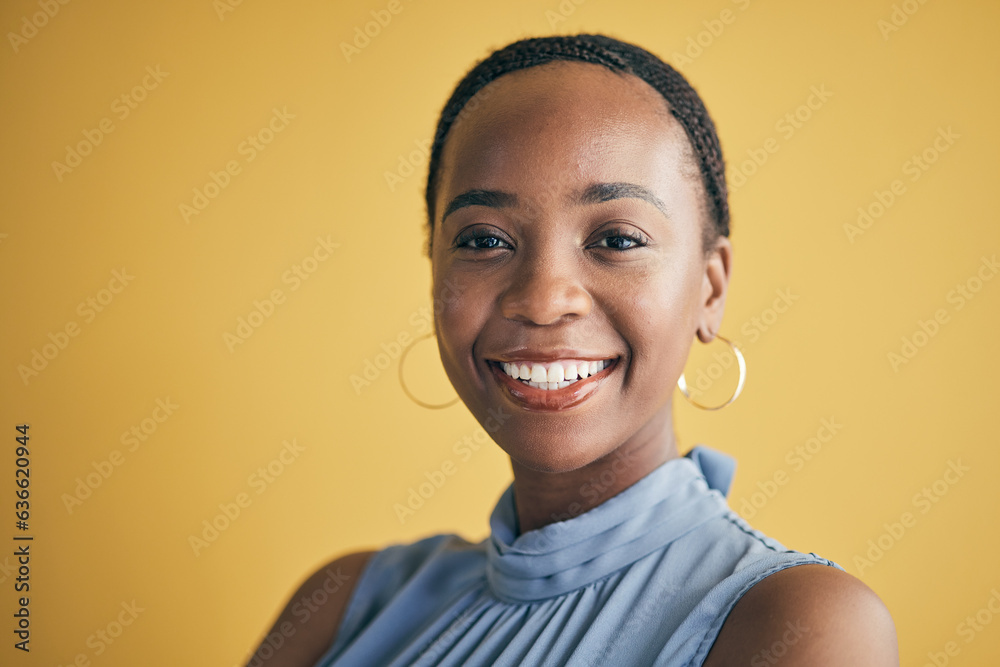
pixel 645 578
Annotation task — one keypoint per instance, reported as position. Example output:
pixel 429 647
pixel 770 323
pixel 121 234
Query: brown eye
pixel 620 239
pixel 480 240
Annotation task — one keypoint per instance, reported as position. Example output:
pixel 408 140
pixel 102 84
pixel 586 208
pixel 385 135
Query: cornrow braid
pixel 620 57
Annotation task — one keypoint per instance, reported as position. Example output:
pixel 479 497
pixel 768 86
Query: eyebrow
pixel 593 194
pixel 601 192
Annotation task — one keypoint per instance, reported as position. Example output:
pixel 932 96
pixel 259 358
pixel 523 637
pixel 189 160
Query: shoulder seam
pixel 712 633
pixel 735 519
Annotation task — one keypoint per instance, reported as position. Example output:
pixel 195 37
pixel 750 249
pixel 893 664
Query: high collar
pixel 670 501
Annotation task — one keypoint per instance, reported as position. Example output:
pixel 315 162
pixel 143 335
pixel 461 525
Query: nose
pixel 545 292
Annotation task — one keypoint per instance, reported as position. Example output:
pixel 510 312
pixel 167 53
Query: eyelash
pixel 637 240
pixel 475 235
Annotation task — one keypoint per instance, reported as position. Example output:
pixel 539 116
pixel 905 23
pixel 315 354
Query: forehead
pixel 562 126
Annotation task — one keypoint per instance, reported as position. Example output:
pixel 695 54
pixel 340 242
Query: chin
pixel 552 456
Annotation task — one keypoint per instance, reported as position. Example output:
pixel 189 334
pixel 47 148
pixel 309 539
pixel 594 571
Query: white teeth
pixel 558 374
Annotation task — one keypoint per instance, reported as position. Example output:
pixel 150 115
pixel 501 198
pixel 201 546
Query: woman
pixel 578 220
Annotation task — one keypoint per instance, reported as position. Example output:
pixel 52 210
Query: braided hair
pixel 620 57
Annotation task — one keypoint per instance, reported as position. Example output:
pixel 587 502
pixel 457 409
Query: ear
pixel 718 267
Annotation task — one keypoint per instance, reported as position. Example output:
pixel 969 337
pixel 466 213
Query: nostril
pixel 544 303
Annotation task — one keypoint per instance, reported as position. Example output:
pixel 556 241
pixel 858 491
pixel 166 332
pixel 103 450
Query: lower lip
pixel 550 400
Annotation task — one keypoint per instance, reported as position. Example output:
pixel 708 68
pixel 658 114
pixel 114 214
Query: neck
pixel 545 497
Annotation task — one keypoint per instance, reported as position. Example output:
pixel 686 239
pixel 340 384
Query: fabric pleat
pixel 645 578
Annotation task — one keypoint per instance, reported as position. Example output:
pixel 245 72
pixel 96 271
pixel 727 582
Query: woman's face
pixel 568 228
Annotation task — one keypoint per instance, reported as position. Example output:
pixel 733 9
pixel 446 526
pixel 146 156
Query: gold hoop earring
pixel 402 384
pixel 682 383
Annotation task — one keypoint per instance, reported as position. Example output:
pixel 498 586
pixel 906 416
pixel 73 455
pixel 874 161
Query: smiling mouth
pixel 546 393
pixel 552 376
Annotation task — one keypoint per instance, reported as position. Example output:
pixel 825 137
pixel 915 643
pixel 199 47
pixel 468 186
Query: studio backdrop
pixel 211 262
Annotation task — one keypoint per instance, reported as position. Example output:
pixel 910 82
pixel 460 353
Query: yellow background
pixel 324 176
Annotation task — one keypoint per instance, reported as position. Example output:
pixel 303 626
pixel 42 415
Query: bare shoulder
pixel 812 615
pixel 307 625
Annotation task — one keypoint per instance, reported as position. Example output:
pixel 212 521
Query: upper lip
pixel 543 356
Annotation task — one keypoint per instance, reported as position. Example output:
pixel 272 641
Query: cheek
pixel 457 319
pixel 659 322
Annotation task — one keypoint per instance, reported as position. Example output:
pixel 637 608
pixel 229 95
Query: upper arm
pixel 307 625
pixel 812 615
